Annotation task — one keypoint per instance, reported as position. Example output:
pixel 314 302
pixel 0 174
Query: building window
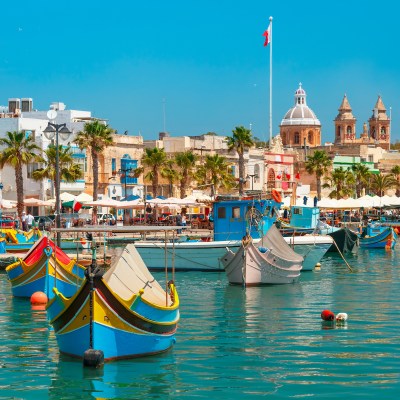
pixel 338 132
pixel 30 168
pixel 113 165
pixel 271 179
pixel 371 158
pixel 235 212
pixel 310 138
pixel 256 173
pixel 221 212
pixel 296 138
pixel 349 131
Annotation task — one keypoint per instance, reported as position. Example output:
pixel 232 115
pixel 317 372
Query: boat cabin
pixel 234 217
pixel 304 217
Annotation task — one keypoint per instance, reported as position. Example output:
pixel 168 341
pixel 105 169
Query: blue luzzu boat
pixel 122 313
pixel 18 241
pixel 45 266
pixel 377 236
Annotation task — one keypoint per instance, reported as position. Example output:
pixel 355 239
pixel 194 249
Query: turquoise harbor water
pixel 234 343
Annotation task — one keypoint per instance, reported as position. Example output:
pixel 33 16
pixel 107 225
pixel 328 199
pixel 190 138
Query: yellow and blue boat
pixel 19 241
pixel 377 236
pixel 43 268
pixel 121 313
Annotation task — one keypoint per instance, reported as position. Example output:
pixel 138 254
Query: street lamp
pixel 54 130
pixel 252 176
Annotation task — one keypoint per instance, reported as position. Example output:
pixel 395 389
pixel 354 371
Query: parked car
pixel 108 219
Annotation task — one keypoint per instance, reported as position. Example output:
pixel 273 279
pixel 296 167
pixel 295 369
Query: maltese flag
pixel 267 35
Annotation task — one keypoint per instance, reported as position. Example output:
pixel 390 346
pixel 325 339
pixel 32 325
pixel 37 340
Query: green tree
pixel 95 137
pixel 240 141
pixel 186 162
pixel 396 173
pixel 19 150
pixel 156 160
pixel 342 182
pixel 318 164
pixel 215 172
pixel 69 171
pixel 170 173
pixel 362 175
pixel 380 183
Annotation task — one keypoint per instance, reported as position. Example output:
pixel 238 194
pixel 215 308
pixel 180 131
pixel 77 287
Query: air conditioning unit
pixel 14 105
pixel 26 105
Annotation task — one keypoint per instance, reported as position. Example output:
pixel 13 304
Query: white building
pixel 19 116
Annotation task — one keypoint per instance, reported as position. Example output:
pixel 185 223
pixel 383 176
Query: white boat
pixel 207 256
pixel 271 261
pixel 311 247
pixel 233 219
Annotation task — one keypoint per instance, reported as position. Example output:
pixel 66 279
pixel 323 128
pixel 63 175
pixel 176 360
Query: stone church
pixel 300 127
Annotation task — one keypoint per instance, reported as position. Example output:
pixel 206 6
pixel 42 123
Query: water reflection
pixel 129 379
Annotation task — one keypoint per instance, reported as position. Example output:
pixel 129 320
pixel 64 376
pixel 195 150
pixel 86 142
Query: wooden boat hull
pixel 18 241
pixel 250 267
pixel 345 240
pixel 311 247
pixel 121 327
pixel 42 269
pixel 387 237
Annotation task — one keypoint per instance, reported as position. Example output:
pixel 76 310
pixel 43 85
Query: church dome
pixel 300 114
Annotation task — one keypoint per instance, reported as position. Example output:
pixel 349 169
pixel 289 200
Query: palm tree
pixel 186 162
pixel 319 164
pixel 69 171
pixel 215 173
pixel 380 183
pixel 170 173
pixel 155 159
pixel 95 137
pixel 19 150
pixel 396 173
pixel 240 141
pixel 361 174
pixel 342 182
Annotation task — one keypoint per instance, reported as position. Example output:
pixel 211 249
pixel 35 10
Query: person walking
pixel 23 219
pixel 29 221
pixel 179 222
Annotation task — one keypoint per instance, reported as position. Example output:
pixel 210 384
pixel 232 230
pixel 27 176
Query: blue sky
pixel 203 62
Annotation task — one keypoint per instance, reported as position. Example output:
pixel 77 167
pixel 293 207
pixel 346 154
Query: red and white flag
pixel 76 206
pixel 267 35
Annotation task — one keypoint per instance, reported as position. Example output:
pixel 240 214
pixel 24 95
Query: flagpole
pixel 270 83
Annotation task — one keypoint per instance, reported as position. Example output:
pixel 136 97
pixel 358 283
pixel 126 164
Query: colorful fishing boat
pixel 306 220
pixel 270 261
pixel 43 268
pixel 19 241
pixel 121 313
pixel 378 236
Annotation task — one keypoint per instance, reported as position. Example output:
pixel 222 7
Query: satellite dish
pixel 51 114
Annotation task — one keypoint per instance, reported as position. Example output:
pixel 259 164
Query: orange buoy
pixel 39 301
pixel 327 315
pixel 388 245
pixel 276 196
